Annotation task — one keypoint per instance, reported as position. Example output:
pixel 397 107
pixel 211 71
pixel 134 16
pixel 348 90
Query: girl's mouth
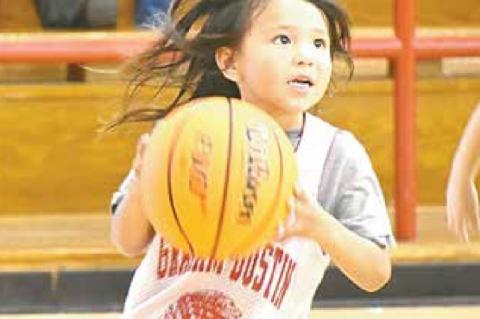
pixel 300 84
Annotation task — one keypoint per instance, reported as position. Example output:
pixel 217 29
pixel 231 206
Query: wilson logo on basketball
pixel 201 157
pixel 257 169
pixel 203 305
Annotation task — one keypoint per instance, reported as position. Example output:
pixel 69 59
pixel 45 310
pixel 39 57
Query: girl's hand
pixel 138 159
pixel 305 217
pixel 130 230
pixel 366 264
pixel 462 209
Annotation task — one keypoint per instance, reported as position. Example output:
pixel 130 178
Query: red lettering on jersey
pixel 162 266
pixel 249 269
pixel 211 263
pixel 184 264
pixel 286 283
pixel 214 265
pixel 219 267
pixel 279 280
pixel 263 264
pixel 237 269
pixel 252 270
pixel 201 265
pixel 277 256
pixel 173 263
pixel 198 265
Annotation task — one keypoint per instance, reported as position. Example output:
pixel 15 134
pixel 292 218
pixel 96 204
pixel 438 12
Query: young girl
pixel 462 198
pixel 277 55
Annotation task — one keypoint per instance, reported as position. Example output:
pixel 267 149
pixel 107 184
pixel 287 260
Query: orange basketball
pixel 216 178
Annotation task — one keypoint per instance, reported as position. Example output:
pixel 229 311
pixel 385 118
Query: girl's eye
pixel 320 43
pixel 282 39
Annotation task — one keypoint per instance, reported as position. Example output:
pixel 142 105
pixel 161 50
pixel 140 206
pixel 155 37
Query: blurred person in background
pixel 77 14
pixel 462 197
pixel 148 11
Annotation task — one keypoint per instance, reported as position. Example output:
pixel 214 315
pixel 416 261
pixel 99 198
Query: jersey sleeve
pixel 118 196
pixel 350 191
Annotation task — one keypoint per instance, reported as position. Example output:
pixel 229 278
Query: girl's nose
pixel 304 55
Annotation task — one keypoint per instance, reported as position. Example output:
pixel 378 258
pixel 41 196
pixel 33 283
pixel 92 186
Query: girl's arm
pixel 348 217
pixel 462 198
pixel 130 230
pixel 361 260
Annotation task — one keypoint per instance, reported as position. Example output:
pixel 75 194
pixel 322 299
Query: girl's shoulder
pixel 344 144
pixel 347 152
pixel 347 143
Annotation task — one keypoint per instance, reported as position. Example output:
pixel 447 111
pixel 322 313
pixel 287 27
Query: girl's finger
pixel 449 222
pixel 476 222
pixel 291 204
pixel 280 232
pixel 300 193
pixel 285 231
pixel 454 227
pixel 292 218
pixel 453 224
pixel 141 146
pixel 464 231
pixel 143 142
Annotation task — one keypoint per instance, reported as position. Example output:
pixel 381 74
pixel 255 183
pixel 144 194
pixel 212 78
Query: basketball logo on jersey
pixel 203 305
pixel 257 168
pixel 201 157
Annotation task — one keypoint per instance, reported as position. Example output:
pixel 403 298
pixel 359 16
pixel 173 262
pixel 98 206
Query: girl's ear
pixel 225 58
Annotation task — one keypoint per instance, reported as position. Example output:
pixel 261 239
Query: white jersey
pixel 278 281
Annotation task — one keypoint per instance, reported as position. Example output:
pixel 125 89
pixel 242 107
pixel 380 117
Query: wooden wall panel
pixel 20 15
pixel 53 160
pixel 430 13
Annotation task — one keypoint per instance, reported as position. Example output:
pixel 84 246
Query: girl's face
pixel 283 63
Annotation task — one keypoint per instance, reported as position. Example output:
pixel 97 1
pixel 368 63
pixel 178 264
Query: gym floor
pixel 464 312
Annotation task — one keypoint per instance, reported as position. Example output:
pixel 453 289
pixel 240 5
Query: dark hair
pixel 184 56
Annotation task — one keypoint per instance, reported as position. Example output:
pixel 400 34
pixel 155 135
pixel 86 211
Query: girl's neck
pixel 289 122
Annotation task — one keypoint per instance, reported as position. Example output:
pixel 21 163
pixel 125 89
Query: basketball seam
pixel 226 180
pixel 170 193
